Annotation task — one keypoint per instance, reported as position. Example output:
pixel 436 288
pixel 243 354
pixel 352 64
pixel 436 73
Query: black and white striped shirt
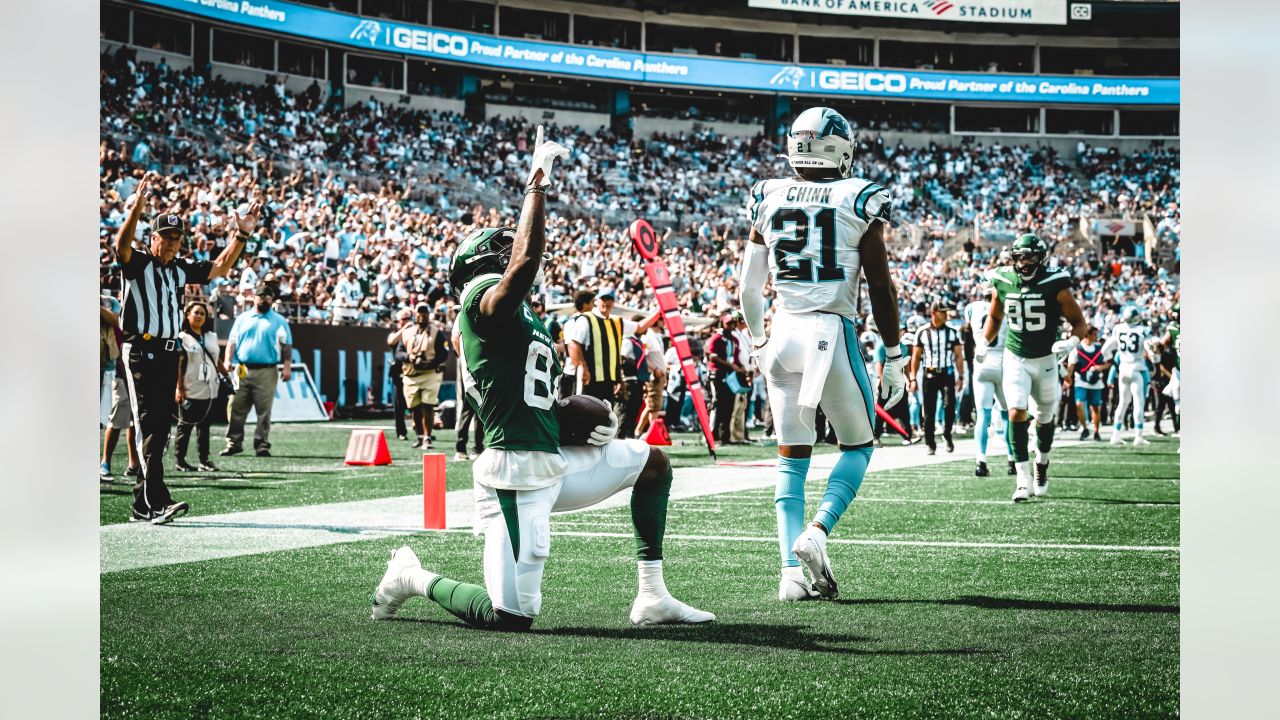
pixel 937 346
pixel 153 294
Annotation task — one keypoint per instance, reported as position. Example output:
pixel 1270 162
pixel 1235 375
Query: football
pixel 579 415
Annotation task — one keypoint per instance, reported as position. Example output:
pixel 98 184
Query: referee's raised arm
pixel 124 238
pixel 243 226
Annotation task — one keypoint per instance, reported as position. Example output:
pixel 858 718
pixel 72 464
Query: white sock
pixel 793 572
pixel 418 581
pixel 1137 432
pixel 1024 473
pixel 651 584
pixel 982 457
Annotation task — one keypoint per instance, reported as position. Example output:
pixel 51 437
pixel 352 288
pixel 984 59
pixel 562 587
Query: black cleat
pixel 184 466
pixel 1084 434
pixel 133 471
pixel 981 470
pixel 1097 437
pixel 933 451
pixel 137 517
pixel 417 443
pixel 951 446
pixel 207 466
pixel 231 450
pixel 1013 468
pixel 262 452
pixel 166 516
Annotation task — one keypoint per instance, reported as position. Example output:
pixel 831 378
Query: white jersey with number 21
pixel 812 231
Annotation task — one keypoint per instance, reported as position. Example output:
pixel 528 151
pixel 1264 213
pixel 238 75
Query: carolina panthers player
pixel 814 232
pixel 508 360
pixel 1128 341
pixel 1036 301
pixel 988 380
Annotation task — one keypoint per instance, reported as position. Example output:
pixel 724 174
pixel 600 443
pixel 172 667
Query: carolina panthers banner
pixel 1029 12
pixel 716 73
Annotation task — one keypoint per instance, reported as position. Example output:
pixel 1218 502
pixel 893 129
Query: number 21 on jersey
pixel 794 229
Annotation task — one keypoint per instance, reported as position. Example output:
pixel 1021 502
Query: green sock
pixel 1021 439
pixel 1044 441
pixel 649 516
pixel 471 604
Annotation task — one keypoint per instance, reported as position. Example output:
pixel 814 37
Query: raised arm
pixel 504 298
pixel 124 237
pixel 243 225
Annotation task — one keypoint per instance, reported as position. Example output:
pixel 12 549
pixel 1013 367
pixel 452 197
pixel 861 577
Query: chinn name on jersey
pixel 809 194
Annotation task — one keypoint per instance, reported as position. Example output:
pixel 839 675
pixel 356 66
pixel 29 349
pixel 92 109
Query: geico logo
pixel 426 41
pixel 866 81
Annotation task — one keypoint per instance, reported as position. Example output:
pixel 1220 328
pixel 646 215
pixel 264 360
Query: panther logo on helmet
pixel 1028 253
pixel 821 138
pixel 485 251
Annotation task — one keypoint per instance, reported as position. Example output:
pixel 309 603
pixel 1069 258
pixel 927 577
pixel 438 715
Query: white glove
pixel 544 155
pixel 1062 347
pixel 979 355
pixel 604 434
pixel 893 384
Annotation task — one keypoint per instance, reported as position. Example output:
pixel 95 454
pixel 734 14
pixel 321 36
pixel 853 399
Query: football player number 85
pixel 1025 314
pixel 537 377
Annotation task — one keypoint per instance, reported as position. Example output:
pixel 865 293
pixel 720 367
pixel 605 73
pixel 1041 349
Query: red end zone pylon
pixel 657 434
pixel 368 447
pixel 433 491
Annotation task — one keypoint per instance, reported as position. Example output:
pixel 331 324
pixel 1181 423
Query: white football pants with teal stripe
pixel 848 401
pixel 1131 385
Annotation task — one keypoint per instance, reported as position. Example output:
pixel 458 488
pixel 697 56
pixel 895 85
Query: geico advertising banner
pixel 716 73
pixel 1030 12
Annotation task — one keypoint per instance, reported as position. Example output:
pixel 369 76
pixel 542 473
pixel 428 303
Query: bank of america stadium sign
pixel 1027 12
pixel 680 70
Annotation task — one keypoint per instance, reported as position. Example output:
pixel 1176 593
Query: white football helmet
pixel 821 138
pixel 1132 315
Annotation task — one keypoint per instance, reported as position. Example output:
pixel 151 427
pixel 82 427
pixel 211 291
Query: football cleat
pixel 394 588
pixel 171 511
pixel 981 470
pixel 1116 439
pixel 1041 486
pixel 811 548
pixel 794 586
pixel 1139 441
pixel 1021 494
pixel 666 610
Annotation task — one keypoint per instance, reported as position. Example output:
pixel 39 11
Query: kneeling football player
pixel 508 362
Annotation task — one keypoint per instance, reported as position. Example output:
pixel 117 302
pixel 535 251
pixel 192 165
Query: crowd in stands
pixel 365 204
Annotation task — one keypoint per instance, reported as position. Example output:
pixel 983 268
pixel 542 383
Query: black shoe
pixel 137 517
pixel 933 451
pixel 981 470
pixel 417 443
pixel 1084 434
pixel 133 471
pixel 231 450
pixel 402 437
pixel 1097 437
pixel 166 516
pixel 207 466
pixel 1159 431
pixel 951 446
pixel 1013 468
pixel 262 452
pixel 183 466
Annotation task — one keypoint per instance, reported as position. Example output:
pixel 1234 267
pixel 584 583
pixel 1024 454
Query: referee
pixel 939 351
pixel 152 318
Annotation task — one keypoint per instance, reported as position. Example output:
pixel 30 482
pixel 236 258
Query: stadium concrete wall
pixel 584 120
pixel 394 97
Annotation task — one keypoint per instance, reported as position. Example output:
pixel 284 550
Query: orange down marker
pixel 433 491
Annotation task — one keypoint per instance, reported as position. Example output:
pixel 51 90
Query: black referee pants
pixel 935 382
pixel 722 415
pixel 152 376
pixel 398 404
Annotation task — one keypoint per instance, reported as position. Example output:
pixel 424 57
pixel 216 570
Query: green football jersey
pixel 1032 310
pixel 507 366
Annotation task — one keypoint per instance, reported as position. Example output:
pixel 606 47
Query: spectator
pixel 260 341
pixel 399 356
pixel 427 348
pixel 199 374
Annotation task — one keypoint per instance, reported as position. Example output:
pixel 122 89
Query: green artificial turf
pixel 306 468
pixel 918 631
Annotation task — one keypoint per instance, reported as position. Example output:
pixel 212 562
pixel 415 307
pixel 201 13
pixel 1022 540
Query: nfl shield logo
pixel 822 346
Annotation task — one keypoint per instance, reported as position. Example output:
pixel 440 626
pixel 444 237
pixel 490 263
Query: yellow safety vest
pixel 605 350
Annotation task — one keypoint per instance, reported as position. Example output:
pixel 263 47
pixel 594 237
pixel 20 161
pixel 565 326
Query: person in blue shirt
pixel 260 340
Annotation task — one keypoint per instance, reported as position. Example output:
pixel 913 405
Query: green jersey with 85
pixel 1031 309
pixel 507 365
pixel 812 231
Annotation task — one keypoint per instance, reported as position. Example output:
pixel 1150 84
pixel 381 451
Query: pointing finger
pixel 538 142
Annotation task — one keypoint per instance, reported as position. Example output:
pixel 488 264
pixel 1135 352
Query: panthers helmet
pixel 484 251
pixel 1132 315
pixel 821 138
pixel 1028 253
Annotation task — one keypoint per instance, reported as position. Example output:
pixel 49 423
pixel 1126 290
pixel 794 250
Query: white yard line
pixel 196 538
